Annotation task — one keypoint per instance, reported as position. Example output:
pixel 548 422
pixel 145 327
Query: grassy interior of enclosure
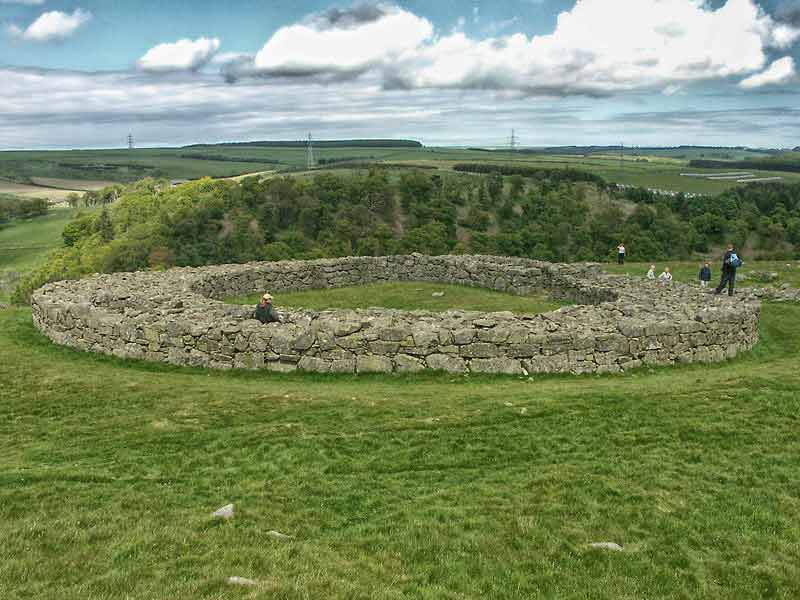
pixel 688 271
pixel 427 486
pixel 407 296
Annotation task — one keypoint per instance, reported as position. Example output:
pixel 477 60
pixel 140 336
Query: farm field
pixel 54 190
pixel 390 487
pixel 652 168
pixel 654 173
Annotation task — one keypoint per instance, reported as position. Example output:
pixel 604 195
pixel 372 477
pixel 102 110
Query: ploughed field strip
pixel 616 324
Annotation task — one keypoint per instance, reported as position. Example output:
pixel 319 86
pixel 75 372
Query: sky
pixel 85 73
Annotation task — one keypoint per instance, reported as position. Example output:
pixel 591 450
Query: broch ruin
pixel 615 324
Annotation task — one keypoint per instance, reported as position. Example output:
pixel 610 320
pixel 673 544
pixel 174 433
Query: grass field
pixel 407 296
pixel 25 245
pixel 651 168
pixel 398 487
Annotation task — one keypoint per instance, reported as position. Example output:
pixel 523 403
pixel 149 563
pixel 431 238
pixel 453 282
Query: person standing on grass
pixel 705 275
pixel 621 254
pixel 730 262
pixel 265 312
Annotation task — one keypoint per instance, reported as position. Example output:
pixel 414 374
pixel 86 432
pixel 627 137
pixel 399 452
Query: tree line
pixel 15 207
pixel 765 164
pixel 539 214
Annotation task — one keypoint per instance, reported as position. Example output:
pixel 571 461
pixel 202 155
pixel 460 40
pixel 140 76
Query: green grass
pixel 25 244
pixel 407 296
pixel 687 271
pixel 398 486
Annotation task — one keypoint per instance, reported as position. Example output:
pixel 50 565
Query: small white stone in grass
pixel 277 535
pixel 226 512
pixel 241 581
pixel 606 546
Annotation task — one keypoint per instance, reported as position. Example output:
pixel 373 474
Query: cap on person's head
pixel 266 297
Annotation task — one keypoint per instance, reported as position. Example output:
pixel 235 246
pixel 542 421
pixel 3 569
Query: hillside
pixel 393 487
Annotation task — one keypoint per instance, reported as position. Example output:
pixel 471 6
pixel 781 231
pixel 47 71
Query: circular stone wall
pixel 616 324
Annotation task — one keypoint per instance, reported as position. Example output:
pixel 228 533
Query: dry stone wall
pixel 615 324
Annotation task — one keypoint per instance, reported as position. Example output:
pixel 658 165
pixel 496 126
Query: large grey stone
pixel 446 362
pixel 505 366
pixel 373 364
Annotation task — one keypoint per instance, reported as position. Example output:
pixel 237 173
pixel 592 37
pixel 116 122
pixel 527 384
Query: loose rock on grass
pixel 243 581
pixel 606 546
pixel 226 512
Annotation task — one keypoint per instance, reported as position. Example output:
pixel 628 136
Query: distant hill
pixel 317 144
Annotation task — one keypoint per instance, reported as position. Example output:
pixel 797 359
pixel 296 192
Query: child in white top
pixel 651 274
pixel 666 276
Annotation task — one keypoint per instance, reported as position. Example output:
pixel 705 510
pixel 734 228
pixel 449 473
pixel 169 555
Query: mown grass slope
pixel 398 487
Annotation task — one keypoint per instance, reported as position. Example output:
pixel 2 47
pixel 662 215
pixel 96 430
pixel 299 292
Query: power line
pixel 310 153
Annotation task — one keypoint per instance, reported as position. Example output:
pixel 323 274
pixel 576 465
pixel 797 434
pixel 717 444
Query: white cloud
pixel 68 109
pixel 52 25
pixel 779 72
pixel 352 42
pixel 183 55
pixel 602 47
pixel 598 48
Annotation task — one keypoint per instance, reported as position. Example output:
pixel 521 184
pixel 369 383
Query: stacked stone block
pixel 615 324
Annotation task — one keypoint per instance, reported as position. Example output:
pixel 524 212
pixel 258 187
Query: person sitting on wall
pixel 666 276
pixel 651 274
pixel 265 312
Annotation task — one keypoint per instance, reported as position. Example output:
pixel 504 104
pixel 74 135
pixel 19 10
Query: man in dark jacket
pixel 730 262
pixel 265 311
